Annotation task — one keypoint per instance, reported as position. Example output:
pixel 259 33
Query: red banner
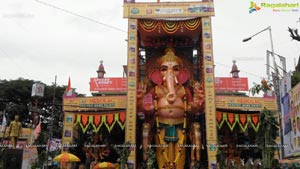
pixel 112 84
pixel 231 84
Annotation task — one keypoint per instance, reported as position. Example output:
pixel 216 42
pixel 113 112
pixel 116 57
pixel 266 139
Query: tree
pixel 123 152
pixel 264 87
pixel 15 98
pixel 295 78
pixel 294 34
pixel 151 158
pixel 296 74
pixel 266 135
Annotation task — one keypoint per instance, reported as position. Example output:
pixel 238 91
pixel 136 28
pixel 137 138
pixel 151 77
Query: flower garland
pixel 169 27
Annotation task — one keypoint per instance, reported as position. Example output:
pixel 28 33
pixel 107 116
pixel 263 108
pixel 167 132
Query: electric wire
pixel 112 27
pixel 81 16
pixel 240 70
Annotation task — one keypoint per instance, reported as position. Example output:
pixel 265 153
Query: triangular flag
pixel 37 130
pixel 69 85
pixel 70 92
pixel 3 123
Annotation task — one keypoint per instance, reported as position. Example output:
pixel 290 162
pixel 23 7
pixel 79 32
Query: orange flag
pixel 69 91
pixel 69 85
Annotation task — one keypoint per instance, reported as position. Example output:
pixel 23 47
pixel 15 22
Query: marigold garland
pixel 148 25
pixel 169 27
pixel 192 24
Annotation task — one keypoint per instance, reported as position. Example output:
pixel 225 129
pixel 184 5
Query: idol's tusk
pixel 176 81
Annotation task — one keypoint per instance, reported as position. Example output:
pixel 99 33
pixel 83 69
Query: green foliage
pixel 41 140
pixel 16 91
pixel 266 135
pixel 42 158
pixel 151 158
pixel 295 78
pixel 294 34
pixel 221 158
pixel 123 151
pixel 15 98
pixel 257 88
pixel 39 162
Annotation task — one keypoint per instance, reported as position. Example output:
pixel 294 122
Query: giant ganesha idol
pixel 168 104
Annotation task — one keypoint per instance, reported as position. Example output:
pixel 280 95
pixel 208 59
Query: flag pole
pixel 35 114
pixel 4 115
pixel 51 123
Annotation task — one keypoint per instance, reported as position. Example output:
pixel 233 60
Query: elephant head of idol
pixel 170 73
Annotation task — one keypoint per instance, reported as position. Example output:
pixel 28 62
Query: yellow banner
pixel 210 109
pixel 246 103
pixel 92 103
pixel 130 129
pixel 168 10
pixel 67 134
pixel 212 162
pixel 69 119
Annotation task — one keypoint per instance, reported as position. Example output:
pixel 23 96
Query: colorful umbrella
pixel 66 157
pixel 104 165
pixel 292 163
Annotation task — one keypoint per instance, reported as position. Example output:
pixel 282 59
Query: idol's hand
pixel 199 96
pixel 141 90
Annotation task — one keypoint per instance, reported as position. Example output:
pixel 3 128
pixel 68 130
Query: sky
pixel 41 39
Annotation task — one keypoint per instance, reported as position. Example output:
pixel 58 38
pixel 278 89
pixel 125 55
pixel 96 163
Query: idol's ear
pixel 156 77
pixel 183 76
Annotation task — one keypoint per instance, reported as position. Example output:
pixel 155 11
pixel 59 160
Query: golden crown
pixel 169 57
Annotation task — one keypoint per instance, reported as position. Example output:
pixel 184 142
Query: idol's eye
pixel 163 68
pixel 176 68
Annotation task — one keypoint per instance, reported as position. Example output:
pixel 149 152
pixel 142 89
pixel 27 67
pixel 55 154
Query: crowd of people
pixel 98 150
pixel 95 149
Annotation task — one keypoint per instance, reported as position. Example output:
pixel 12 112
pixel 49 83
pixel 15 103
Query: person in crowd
pixel 92 151
pixel 81 166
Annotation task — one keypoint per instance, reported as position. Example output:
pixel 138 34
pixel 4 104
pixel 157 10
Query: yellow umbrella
pixel 66 157
pixel 284 160
pixel 104 165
